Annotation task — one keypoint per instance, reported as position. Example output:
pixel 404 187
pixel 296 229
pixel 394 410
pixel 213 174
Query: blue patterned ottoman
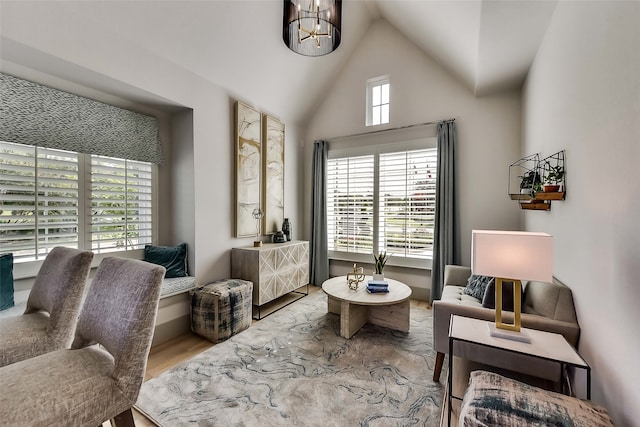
pixel 221 309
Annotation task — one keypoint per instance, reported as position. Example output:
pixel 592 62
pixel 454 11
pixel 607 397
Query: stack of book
pixel 377 286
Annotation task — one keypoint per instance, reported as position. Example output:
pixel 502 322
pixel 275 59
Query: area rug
pixel 293 369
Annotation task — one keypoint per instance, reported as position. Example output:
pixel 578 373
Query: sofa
pixel 545 306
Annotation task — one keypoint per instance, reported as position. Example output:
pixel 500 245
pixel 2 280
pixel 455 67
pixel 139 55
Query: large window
pixel 60 198
pixel 382 201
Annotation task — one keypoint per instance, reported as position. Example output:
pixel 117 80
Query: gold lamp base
pixel 513 328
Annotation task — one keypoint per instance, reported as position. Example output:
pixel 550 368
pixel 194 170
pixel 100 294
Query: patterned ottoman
pixel 494 400
pixel 221 309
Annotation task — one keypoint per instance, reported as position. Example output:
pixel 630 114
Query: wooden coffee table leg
pixel 333 305
pixel 394 316
pixel 352 318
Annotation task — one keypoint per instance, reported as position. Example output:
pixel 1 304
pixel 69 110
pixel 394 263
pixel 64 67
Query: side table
pixel 544 345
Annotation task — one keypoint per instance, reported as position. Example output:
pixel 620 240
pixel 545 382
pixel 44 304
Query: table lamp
pixel 511 256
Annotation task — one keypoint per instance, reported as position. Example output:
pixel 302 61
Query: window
pixel 42 202
pixel 383 201
pixel 377 101
pixel 120 204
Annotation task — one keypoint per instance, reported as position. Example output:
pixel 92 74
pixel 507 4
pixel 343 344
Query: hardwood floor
pixel 171 353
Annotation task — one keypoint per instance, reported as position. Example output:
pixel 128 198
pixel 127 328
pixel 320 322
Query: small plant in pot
pixel 553 178
pixel 380 261
pixel 530 182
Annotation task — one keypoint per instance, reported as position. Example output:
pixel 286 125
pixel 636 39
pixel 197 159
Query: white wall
pixel 583 95
pixel 55 41
pixel 421 91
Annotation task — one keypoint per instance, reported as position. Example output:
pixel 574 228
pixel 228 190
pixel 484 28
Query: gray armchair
pixel 89 384
pixel 49 321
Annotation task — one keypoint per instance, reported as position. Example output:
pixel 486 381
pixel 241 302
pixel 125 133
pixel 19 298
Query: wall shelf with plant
pixel 553 175
pixel 534 183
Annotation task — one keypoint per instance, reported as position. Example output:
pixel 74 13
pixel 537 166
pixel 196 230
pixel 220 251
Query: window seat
pixel 177 285
pixel 173 310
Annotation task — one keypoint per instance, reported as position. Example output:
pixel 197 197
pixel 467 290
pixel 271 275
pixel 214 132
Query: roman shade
pixel 34 114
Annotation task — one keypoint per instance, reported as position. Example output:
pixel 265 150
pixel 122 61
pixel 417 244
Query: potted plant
pixel 553 178
pixel 530 182
pixel 380 261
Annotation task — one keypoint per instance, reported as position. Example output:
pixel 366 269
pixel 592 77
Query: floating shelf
pixel 536 205
pixel 555 195
pixel 525 197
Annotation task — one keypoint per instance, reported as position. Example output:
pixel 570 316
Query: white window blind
pixel 52 197
pixel 121 205
pixel 407 202
pixel 383 201
pixel 350 204
pixel 39 204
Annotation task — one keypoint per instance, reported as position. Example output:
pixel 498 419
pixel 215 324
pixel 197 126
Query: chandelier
pixel 312 27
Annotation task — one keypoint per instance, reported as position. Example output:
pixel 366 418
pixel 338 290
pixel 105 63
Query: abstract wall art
pixel 248 150
pixel 273 174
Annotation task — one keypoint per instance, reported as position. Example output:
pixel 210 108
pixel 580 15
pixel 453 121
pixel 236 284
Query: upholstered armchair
pixel 99 378
pixel 54 301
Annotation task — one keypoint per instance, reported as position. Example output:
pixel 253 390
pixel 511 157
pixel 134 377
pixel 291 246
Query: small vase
pixel 286 229
pixel 379 277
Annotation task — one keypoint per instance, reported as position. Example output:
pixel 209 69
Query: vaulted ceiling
pixel 488 45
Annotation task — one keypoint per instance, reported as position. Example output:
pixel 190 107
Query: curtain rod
pixel 390 129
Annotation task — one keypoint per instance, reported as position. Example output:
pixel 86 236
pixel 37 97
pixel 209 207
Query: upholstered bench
pixel 221 309
pixel 176 285
pixel 492 399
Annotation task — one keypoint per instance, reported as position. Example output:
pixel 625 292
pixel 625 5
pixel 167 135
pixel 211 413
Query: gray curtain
pixel 34 114
pixel 318 253
pixel 446 232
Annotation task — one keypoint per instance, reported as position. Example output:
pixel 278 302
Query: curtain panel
pixel 446 230
pixel 34 114
pixel 319 250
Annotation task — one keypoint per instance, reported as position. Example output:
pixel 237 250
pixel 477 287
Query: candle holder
pixel 257 215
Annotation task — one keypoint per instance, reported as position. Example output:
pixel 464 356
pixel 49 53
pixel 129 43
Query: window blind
pixel 34 114
pixel 39 200
pixel 121 204
pixel 407 202
pixel 350 204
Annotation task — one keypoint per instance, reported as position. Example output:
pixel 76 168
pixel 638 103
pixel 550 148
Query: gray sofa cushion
pixel 552 300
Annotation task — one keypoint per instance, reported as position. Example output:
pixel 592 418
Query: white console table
pixel 274 268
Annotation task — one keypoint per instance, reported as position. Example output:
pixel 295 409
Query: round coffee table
pixel 357 307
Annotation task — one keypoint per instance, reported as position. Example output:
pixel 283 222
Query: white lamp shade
pixel 514 255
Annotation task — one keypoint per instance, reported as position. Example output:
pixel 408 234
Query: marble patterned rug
pixel 293 369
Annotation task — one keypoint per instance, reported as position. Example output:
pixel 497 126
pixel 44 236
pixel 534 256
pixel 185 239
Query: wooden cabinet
pixel 274 268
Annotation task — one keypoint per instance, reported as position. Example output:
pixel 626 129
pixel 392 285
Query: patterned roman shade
pixel 38 115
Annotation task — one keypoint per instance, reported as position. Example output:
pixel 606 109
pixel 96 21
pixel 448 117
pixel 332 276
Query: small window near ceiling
pixel 378 101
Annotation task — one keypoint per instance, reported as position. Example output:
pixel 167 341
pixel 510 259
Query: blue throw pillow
pixel 6 281
pixel 173 258
pixel 476 286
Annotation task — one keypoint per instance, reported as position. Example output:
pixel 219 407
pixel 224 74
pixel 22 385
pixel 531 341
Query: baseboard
pixel 166 331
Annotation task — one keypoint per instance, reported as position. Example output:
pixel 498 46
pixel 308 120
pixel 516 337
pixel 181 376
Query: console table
pixel 274 268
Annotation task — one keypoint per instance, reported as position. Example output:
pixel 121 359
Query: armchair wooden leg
pixel 123 419
pixel 437 369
